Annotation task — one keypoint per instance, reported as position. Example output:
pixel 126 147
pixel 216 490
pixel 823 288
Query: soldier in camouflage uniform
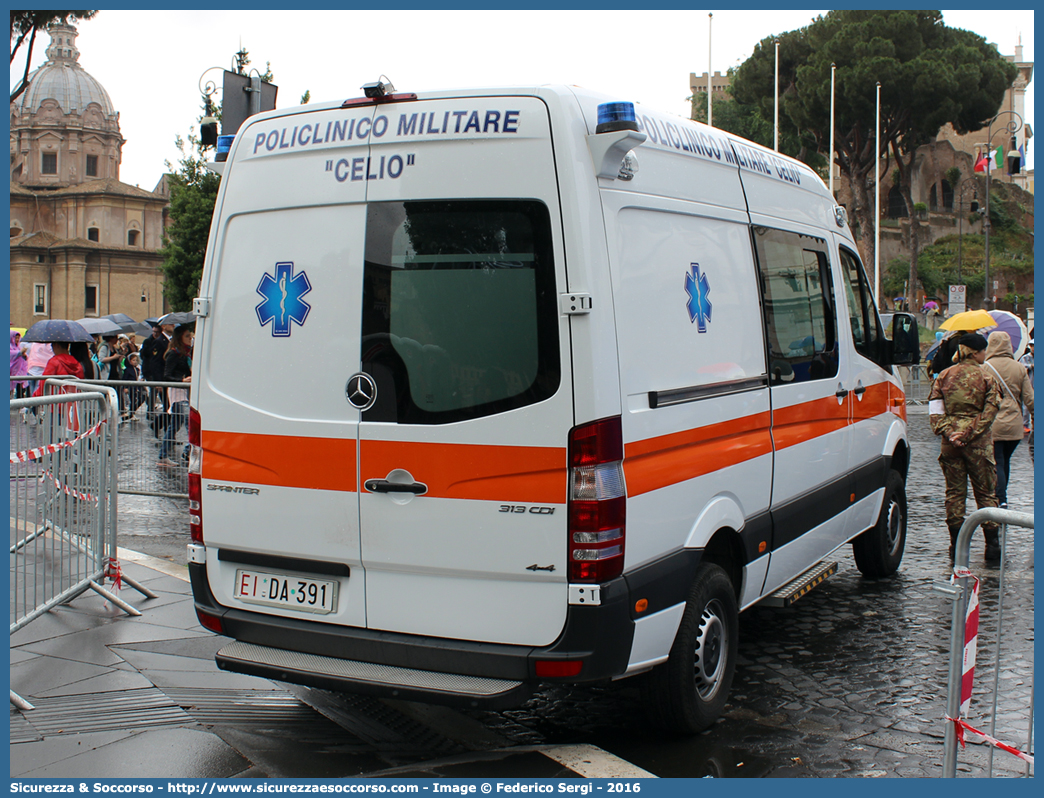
pixel 961 408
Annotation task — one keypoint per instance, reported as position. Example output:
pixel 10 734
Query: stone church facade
pixel 82 242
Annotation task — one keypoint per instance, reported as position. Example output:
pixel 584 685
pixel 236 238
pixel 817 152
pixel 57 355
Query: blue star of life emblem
pixel 283 303
pixel 697 287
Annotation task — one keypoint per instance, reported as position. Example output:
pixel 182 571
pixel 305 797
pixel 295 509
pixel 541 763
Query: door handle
pixel 841 393
pixel 384 486
pixel 859 390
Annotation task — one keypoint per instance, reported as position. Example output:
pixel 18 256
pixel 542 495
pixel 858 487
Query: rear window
pixel 459 309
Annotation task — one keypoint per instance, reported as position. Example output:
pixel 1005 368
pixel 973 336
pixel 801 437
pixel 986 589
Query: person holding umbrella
pixel 962 406
pixel 59 333
pixel 177 367
pixel 19 368
pixel 957 326
pixel 61 364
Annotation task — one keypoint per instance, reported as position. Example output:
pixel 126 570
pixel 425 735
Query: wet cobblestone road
pixel 850 681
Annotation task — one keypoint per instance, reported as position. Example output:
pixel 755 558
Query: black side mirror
pixel 905 343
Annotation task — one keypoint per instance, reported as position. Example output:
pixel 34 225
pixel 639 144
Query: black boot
pixel 993 547
pixel 954 530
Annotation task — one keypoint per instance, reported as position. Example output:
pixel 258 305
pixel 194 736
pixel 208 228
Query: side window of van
pixel 800 320
pixel 866 324
pixel 460 316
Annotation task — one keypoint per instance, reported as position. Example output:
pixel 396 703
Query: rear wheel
pixel 879 550
pixel 687 693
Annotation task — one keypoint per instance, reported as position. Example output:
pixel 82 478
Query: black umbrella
pixel 178 317
pixel 99 326
pixel 56 330
pixel 123 321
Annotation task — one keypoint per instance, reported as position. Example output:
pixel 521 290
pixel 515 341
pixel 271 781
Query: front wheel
pixel 879 550
pixel 687 693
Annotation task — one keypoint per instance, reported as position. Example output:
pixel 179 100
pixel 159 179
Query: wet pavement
pixel 849 681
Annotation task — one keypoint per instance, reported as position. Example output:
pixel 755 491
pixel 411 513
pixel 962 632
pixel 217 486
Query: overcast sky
pixel 152 62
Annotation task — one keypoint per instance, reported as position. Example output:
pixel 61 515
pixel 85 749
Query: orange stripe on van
pixel 668 459
pixel 874 402
pixel 799 423
pixel 531 474
pixel 290 461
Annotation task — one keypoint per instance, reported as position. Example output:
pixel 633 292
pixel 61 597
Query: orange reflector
pixel 851 498
pixel 641 605
pixel 558 668
pixel 762 546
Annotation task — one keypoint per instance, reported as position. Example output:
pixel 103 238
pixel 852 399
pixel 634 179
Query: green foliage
pixel 953 177
pixel 193 192
pixel 744 120
pixel 306 97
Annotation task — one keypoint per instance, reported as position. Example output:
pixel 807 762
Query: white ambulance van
pixel 500 388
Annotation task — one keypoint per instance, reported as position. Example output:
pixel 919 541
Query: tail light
pixel 195 484
pixel 597 501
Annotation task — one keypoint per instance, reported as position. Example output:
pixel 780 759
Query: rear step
pixel 796 588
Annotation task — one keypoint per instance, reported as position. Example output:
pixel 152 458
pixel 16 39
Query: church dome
pixel 63 80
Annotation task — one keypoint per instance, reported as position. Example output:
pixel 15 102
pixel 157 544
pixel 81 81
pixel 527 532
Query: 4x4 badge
pixel 283 304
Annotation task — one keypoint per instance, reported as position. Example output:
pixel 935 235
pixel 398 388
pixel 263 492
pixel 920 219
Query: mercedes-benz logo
pixel 361 391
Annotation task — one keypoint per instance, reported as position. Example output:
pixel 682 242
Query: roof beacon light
pixel 616 116
pixel 224 144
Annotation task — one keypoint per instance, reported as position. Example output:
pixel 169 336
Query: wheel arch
pixel 716 531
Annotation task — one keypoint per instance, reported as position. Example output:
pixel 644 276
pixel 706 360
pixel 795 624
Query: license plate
pixel 280 590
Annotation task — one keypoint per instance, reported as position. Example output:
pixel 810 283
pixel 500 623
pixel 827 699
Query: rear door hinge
pixel 574 304
pixel 201 306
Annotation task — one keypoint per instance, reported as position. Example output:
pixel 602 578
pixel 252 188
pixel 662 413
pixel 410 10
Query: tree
pixel 929 74
pixel 193 193
pixel 27 24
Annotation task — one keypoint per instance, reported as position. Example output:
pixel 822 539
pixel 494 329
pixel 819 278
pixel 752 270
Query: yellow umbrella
pixel 19 330
pixel 969 320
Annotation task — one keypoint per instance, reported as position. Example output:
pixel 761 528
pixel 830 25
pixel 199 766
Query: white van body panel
pixel 686 265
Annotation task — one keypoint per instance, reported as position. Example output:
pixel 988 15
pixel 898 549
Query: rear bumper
pixel 438 670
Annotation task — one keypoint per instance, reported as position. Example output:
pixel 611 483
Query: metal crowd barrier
pixel 63 479
pixel 961 592
pixel 142 432
pixel 917 383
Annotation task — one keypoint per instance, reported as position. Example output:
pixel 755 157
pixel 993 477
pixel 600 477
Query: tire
pixel 687 693
pixel 879 550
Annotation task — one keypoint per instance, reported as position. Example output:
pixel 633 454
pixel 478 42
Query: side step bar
pixel 796 588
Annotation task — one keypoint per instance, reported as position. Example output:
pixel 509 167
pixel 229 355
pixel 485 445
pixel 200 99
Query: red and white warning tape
pixel 51 448
pixel 971 638
pixel 87 497
pixel 112 570
pixel 964 729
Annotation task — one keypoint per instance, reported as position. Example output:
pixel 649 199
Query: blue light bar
pixel 224 144
pixel 616 116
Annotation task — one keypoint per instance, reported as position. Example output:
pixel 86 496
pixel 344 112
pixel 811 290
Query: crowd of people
pixel 981 406
pixel 165 356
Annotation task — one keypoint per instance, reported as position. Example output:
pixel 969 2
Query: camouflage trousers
pixel 961 464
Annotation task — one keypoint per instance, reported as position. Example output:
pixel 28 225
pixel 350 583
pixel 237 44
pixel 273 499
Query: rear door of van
pixel 462 455
pixel 279 470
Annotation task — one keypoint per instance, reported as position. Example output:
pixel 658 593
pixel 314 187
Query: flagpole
pixel 775 113
pixel 710 21
pixel 877 200
pixel 830 159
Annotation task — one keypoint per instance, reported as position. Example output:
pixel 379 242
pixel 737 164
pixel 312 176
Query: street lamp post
pixel 1011 127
